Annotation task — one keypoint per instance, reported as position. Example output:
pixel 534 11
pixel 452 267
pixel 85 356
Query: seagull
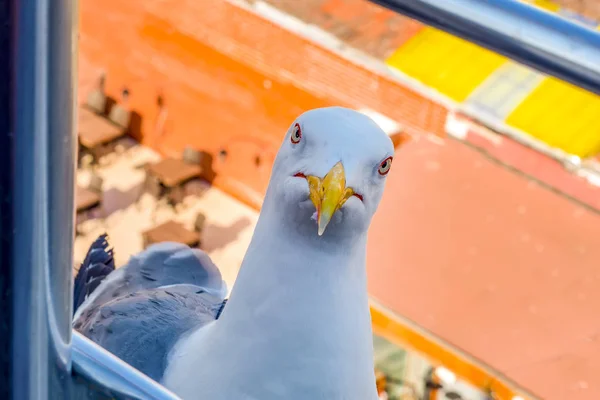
pixel 297 323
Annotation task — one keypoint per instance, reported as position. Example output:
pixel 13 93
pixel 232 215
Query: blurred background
pixel 483 258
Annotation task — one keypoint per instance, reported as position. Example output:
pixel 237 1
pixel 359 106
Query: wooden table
pixel 173 172
pixel 96 130
pixel 171 231
pixel 86 199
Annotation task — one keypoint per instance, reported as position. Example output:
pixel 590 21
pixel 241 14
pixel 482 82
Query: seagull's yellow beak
pixel 328 194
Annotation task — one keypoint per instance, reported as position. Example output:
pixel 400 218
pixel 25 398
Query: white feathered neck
pixel 297 324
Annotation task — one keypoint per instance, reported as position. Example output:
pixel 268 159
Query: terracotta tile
pixel 587 8
pixel 360 23
pixel 497 265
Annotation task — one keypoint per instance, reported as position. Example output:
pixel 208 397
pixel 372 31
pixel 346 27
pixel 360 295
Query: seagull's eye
pixel 296 134
pixel 385 166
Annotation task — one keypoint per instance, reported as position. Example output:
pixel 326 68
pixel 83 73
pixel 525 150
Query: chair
pixel 202 158
pixel 199 222
pixel 152 186
pixel 119 114
pixel 199 227
pixel 192 156
pixel 96 183
pixel 96 99
pixel 84 158
pixel 175 196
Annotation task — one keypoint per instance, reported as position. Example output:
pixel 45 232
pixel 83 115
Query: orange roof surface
pixel 588 8
pixel 361 24
pixel 496 265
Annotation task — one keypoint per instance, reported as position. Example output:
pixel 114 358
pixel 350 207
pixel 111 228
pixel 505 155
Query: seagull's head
pixel 330 171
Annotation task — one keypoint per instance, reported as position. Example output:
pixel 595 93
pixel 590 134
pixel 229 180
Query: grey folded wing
pixel 142 327
pixel 159 265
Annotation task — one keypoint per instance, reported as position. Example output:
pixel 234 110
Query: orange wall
pixel 228 79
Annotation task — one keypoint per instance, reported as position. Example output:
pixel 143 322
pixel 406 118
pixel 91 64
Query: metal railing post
pixel 42 194
pixel 527 34
pixel 6 200
pixel 38 180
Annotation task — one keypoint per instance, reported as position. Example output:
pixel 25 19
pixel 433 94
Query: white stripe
pixel 388 125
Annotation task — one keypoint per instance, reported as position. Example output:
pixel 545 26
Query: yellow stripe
pixel 546 5
pixel 561 115
pixel 453 66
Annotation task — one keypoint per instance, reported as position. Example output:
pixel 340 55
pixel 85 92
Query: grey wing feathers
pixel 97 265
pixel 139 311
pixel 141 328
pixel 161 264
pixel 180 265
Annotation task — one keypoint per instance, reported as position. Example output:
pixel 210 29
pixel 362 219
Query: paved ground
pixel 229 223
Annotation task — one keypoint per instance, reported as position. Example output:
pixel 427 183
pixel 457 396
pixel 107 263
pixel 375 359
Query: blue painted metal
pixel 6 199
pixel 43 190
pixel 119 379
pixel 532 36
pixel 37 177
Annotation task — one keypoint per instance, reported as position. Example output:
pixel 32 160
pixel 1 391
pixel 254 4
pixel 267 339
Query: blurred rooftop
pixel 495 264
pixel 359 23
pixel 447 242
pixel 229 224
pixel 458 233
pixel 590 9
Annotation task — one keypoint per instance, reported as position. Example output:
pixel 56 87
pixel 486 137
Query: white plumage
pixel 297 324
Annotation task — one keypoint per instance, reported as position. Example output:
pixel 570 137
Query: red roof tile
pixel 587 8
pixel 360 23
pixel 493 263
